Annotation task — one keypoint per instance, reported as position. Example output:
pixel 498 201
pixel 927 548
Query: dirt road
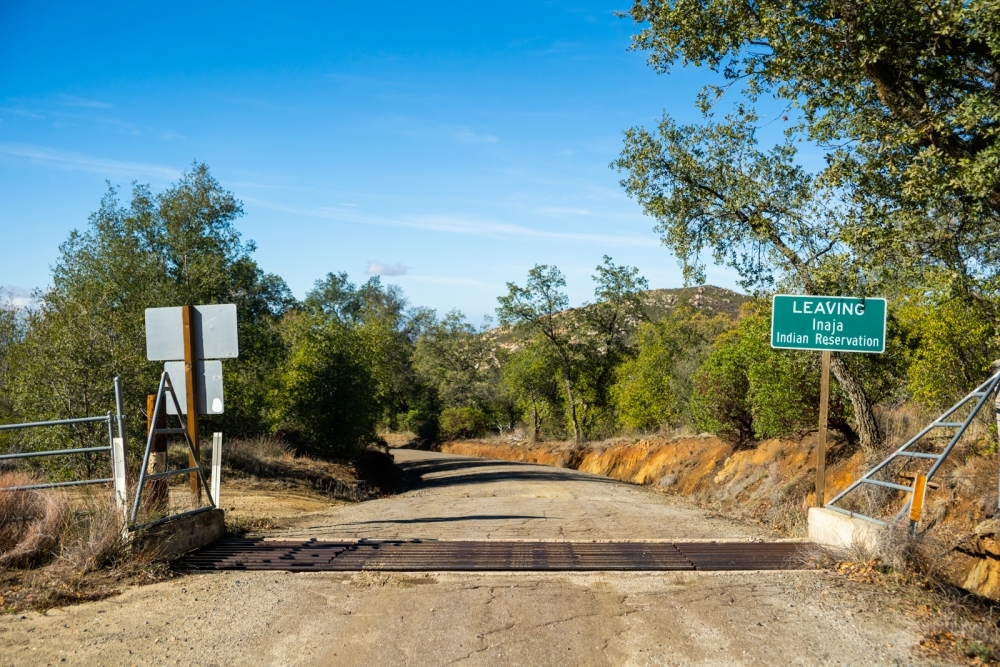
pixel 369 618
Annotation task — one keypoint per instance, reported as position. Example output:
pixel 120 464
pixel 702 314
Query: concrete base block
pixel 183 534
pixel 840 531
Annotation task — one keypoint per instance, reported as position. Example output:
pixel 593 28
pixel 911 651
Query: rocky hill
pixel 709 298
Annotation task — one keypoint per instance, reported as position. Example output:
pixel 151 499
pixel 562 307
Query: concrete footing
pixel 841 531
pixel 183 534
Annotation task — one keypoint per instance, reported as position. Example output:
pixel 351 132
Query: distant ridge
pixel 710 299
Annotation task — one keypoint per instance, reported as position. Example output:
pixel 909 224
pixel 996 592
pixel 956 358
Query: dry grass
pixel 239 526
pixel 31 523
pixel 372 474
pixel 58 547
pixel 958 627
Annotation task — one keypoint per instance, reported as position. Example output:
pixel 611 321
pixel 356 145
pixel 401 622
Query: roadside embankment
pixel 772 484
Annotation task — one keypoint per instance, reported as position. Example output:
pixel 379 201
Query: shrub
pixel 325 401
pixel 745 389
pixel 653 388
pixel 420 421
pixel 462 422
pixel 721 391
pixel 952 345
pixel 642 393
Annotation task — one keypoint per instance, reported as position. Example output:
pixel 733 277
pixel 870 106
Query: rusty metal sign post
pixel 827 324
pixel 197 336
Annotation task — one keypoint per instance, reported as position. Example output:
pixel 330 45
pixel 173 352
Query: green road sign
pixel 837 323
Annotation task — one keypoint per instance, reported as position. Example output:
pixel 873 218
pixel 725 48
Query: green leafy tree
pixel 903 100
pixel 537 308
pixel 902 97
pixel 325 400
pixel 653 388
pixel 710 188
pixel 588 342
pixel 606 338
pixel 390 328
pixel 720 402
pixel 951 346
pixel 178 247
pixel 458 361
pixel 530 374
pixel 745 389
pixel 10 336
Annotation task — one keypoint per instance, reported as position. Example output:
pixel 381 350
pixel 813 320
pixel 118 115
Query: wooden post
pixel 187 315
pixel 824 408
pixel 157 493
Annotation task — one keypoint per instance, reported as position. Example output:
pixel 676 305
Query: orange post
pixel 157 495
pixel 917 504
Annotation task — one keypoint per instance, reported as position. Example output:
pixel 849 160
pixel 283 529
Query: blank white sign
pixel 215 333
pixel 208 375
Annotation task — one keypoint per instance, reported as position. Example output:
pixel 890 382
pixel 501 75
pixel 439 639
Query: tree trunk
pixel 534 421
pixel 867 426
pixel 868 433
pixel 572 413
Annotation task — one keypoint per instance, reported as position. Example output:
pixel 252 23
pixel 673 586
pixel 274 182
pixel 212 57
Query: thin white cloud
pixel 21 112
pixel 564 210
pixel 465 135
pixel 379 269
pixel 74 101
pixel 445 280
pixel 171 136
pixel 466 225
pixel 76 161
pixel 18 297
pixel 461 225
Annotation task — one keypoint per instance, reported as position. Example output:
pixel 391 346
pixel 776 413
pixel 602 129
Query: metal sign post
pixel 824 410
pixel 827 324
pixel 192 398
pixel 198 336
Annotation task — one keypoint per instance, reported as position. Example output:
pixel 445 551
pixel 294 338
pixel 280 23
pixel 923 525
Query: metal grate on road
pixel 481 556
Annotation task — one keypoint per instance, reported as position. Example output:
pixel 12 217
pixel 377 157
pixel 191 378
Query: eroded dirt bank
pixel 773 484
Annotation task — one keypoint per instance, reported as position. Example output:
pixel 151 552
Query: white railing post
pixel 216 466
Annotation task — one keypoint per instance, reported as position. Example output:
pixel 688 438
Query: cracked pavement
pixel 526 618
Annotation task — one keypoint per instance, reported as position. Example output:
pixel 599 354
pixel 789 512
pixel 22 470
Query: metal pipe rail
pixel 54 452
pixel 54 485
pixel 166 386
pixel 980 395
pixel 55 422
pixel 115 447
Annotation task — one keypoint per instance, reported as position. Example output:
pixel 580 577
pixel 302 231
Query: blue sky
pixel 455 145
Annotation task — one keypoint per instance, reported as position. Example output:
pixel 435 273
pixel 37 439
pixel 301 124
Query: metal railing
pixel 167 387
pixel 978 397
pixel 115 447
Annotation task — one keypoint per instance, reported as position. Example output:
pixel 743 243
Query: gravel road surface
pixel 376 619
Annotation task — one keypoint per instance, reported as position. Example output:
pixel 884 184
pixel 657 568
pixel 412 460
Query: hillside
pixel 708 298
